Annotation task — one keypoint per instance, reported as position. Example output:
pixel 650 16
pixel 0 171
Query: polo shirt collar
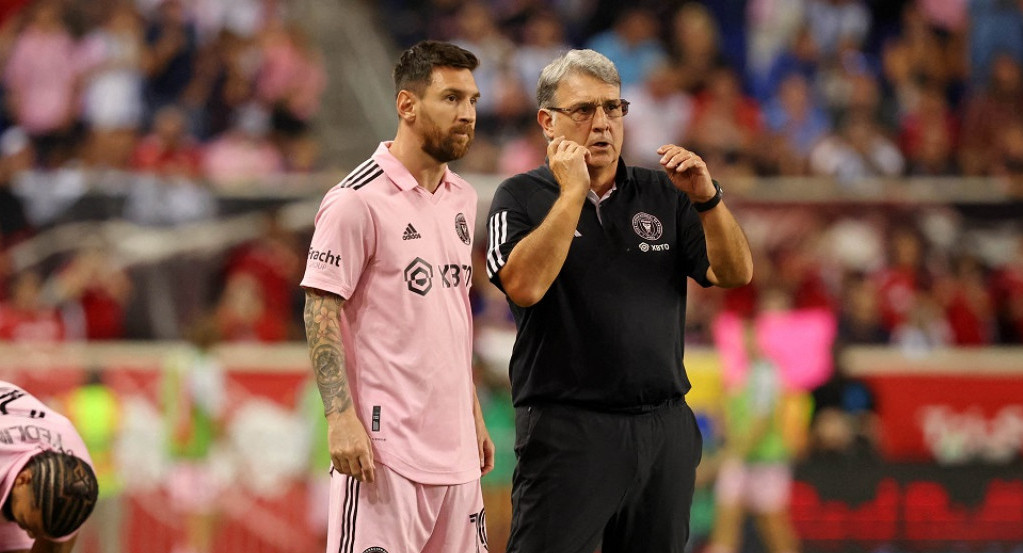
pixel 399 174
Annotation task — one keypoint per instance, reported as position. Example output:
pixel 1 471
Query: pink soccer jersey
pixel 402 259
pixel 28 427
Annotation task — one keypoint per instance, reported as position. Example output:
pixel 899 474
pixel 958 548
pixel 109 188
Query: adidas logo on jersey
pixel 411 233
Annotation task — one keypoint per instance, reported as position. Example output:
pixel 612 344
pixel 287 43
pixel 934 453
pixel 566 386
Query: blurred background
pixel 161 162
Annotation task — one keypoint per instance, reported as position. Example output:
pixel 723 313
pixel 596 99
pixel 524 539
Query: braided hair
pixel 65 490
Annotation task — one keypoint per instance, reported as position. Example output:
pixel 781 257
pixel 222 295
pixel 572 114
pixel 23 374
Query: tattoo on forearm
pixel 326 351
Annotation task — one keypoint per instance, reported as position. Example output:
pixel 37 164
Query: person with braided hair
pixel 48 487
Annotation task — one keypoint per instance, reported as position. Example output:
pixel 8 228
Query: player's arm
pixel 350 449
pixel 536 260
pixel 731 262
pixel 483 441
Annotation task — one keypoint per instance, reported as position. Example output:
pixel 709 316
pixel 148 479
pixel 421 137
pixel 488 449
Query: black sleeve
pixel 507 224
pixel 693 241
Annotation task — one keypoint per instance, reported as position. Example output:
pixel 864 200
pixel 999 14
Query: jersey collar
pixel 399 174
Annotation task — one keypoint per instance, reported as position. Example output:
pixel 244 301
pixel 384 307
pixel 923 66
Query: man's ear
pixel 407 103
pixel 546 121
pixel 24 477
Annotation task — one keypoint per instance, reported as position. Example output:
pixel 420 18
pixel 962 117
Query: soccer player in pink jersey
pixel 389 326
pixel 47 484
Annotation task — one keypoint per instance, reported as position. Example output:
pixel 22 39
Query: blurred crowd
pixel 850 89
pixel 189 89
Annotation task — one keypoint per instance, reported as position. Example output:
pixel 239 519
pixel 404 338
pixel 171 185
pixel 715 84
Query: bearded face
pixel 448 144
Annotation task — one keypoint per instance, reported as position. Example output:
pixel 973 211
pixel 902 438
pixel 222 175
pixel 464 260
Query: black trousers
pixel 623 482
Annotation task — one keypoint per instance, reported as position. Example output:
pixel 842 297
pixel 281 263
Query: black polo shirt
pixel 608 334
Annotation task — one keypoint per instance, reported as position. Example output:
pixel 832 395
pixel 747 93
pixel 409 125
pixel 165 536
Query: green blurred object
pixel 499 416
pixel 94 410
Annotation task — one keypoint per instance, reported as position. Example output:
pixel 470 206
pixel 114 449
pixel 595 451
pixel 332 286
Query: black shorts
pixel 586 479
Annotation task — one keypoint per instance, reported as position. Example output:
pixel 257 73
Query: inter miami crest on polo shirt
pixel 647 226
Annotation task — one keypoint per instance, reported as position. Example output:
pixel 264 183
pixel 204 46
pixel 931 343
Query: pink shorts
pixel 760 487
pixel 396 515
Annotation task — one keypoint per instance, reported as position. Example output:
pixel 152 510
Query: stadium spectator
pixel 801 56
pixel 964 296
pixel 1008 157
pixel 834 22
pixel 244 154
pixel 1007 293
pixel 903 277
pixel 726 125
pixel 502 97
pixel 110 59
pixel 223 82
pixel 41 77
pixel 633 45
pixel 995 30
pixel 773 26
pixel 928 135
pixel 858 152
pixel 988 109
pixel 795 121
pixel 659 114
pixel 242 314
pixel 93 292
pixel 694 46
pixel 291 81
pixel 543 39
pixel 16 156
pixel 26 316
pixel 169 150
pixel 169 60
pixel 859 314
pixel 274 261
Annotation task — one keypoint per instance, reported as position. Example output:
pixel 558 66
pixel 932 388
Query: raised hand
pixel 687 172
pixel 567 161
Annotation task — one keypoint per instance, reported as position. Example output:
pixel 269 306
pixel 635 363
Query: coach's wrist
pixel 707 205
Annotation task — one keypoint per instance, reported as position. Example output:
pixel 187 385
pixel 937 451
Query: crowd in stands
pixel 849 89
pixel 852 90
pixel 189 90
pixel 223 91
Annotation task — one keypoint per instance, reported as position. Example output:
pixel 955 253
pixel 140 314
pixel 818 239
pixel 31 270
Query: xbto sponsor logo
pixel 419 275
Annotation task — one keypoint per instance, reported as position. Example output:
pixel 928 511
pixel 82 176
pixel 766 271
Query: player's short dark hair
pixel 415 66
pixel 65 490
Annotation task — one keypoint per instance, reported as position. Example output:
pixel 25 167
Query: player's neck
pixel 424 168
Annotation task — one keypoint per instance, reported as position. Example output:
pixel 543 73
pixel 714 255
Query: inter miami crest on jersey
pixel 462 228
pixel 647 226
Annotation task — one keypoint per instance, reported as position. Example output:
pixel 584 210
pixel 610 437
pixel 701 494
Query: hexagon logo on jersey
pixel 419 276
pixel 462 228
pixel 647 226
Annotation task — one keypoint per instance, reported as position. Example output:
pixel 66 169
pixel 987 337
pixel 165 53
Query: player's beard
pixel 445 147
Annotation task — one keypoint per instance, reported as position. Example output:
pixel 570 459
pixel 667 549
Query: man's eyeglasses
pixel 582 113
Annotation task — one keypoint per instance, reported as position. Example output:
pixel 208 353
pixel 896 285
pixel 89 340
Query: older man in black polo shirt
pixel 593 256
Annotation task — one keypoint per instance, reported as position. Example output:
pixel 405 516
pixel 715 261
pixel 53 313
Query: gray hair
pixel 589 62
